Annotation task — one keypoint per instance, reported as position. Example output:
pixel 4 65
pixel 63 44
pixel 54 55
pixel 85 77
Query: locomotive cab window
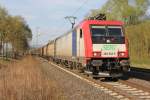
pixel 98 31
pixel 81 33
pixel 115 31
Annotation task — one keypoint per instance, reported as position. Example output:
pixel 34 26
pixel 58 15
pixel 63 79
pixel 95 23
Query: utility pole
pixel 71 20
pixel 37 32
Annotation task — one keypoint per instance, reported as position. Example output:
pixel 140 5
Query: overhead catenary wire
pixel 75 12
pixel 63 25
pixel 85 2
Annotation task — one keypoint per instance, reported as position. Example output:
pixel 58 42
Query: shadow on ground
pixel 138 73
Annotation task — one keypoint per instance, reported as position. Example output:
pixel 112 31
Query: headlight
pixel 121 54
pixel 95 54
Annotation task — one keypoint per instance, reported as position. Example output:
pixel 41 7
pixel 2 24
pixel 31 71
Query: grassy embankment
pixel 139 44
pixel 25 81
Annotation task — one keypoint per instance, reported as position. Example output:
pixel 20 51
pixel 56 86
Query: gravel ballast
pixel 71 87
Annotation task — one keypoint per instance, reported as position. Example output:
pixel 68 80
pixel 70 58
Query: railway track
pixel 133 84
pixel 134 92
pixel 122 90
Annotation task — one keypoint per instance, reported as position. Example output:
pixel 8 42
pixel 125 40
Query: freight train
pixel 97 47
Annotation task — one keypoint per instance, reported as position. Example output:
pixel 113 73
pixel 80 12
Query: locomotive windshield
pixel 98 31
pixel 102 34
pixel 114 31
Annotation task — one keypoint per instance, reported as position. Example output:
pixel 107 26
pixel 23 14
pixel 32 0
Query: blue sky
pixel 47 16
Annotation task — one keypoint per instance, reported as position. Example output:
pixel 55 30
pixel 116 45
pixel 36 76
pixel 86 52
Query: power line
pixel 75 12
pixel 73 18
pixel 85 2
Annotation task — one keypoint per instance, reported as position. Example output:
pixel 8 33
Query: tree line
pixel 14 33
pixel 137 25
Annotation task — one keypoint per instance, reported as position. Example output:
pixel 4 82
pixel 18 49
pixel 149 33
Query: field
pixel 145 64
pixel 23 80
pixel 139 44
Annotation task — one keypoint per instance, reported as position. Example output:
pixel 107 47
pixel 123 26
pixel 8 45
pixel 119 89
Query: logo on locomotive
pixel 109 47
pixel 109 50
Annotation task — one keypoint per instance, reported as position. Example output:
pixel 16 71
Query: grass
pixel 25 81
pixel 141 63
